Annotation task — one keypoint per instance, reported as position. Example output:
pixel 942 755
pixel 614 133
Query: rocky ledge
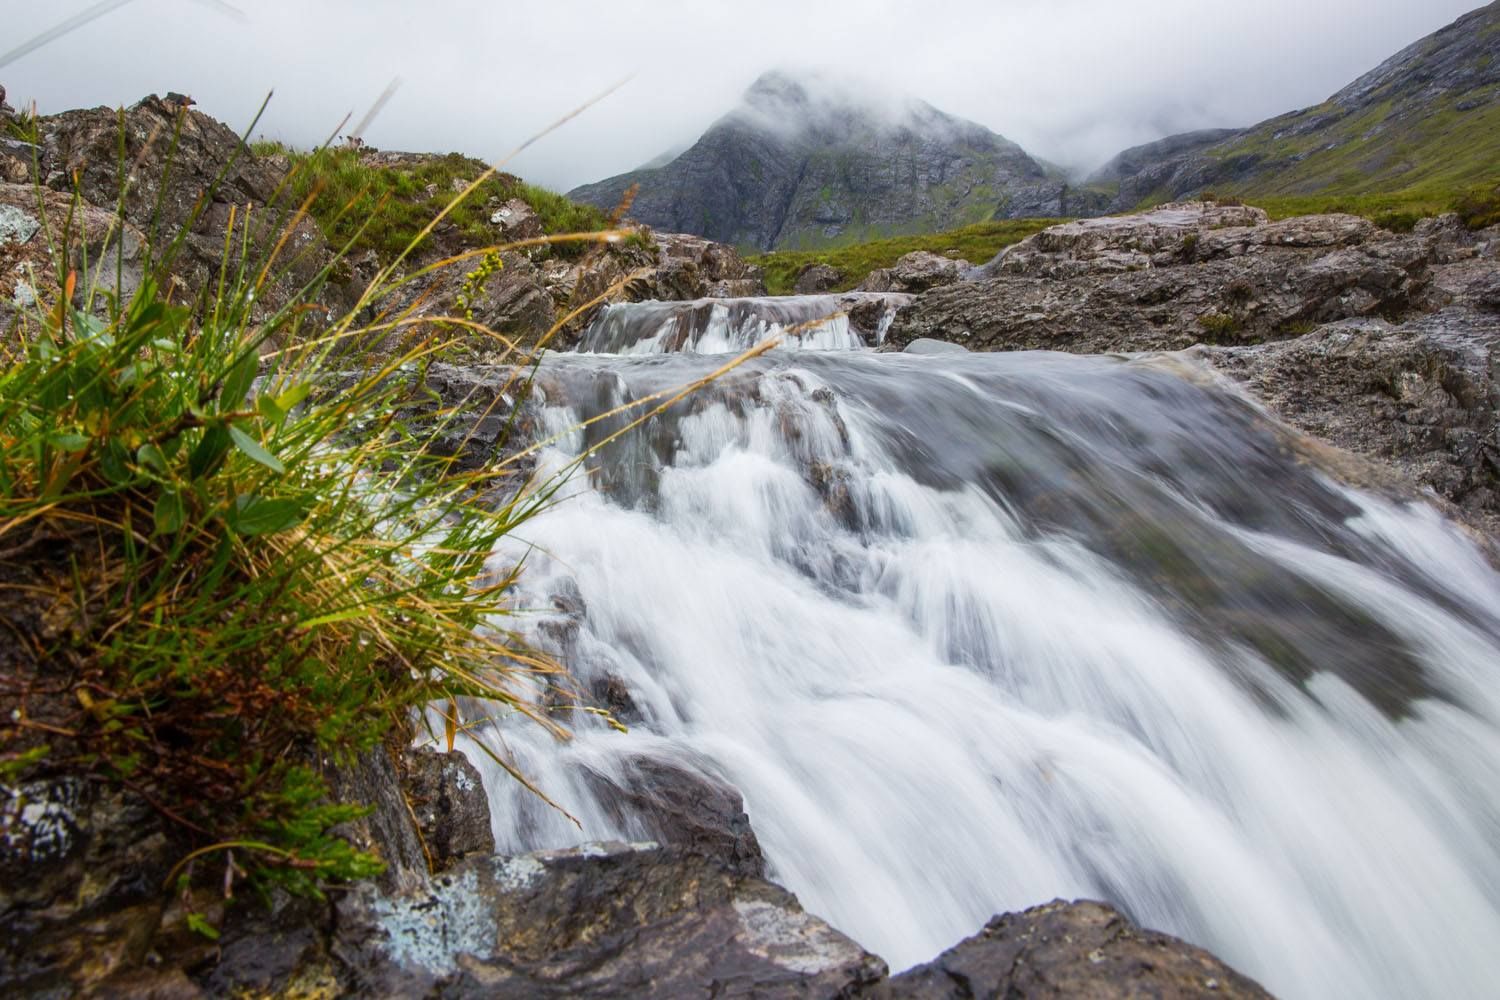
pixel 84 913
pixel 1384 344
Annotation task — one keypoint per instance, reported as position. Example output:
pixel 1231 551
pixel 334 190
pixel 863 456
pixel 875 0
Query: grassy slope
pixel 976 243
pixel 392 203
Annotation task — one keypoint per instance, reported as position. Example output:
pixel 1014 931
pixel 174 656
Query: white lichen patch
pixel 38 820
pixel 460 779
pixel 430 931
pixel 793 939
pixel 516 874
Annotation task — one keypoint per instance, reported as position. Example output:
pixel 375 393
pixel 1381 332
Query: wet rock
pixel 925 346
pixel 447 798
pixel 1421 396
pixel 81 873
pixel 815 279
pixel 597 921
pixel 1080 949
pixel 683 806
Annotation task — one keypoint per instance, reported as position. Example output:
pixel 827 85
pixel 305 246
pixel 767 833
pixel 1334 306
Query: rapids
pixel 972 632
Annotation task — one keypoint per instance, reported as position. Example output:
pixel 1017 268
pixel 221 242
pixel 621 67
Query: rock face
pixel 1430 113
pixel 1081 949
pixel 804 162
pixel 1381 344
pixel 1176 276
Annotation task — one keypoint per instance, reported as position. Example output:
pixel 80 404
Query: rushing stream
pixel 972 632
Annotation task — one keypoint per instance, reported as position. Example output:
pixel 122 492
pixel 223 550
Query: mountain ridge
pixel 809 163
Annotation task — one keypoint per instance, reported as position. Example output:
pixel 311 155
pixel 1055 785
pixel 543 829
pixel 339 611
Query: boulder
pixel 814 279
pixel 603 920
pixel 446 795
pixel 1080 949
pixel 916 272
pixel 516 221
pixel 682 805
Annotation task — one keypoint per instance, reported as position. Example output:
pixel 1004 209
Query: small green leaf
pixel 255 515
pixel 169 513
pixel 198 924
pixel 296 394
pixel 269 408
pixel 115 463
pixel 67 440
pixel 209 452
pixel 150 455
pixel 254 451
pixel 237 383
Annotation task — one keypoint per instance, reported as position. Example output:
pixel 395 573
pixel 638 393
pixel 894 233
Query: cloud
pixel 1073 81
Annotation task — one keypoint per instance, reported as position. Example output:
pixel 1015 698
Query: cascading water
pixel 973 632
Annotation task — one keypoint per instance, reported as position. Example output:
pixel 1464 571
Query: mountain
pixel 805 162
pixel 1428 117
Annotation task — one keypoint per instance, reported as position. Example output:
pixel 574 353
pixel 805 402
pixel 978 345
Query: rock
pixel 16 226
pixel 446 795
pixel 1422 396
pixel 814 279
pixel 682 806
pixel 1173 277
pixel 516 221
pixel 925 346
pixel 17 161
pixel 602 920
pixel 916 272
pixel 1081 949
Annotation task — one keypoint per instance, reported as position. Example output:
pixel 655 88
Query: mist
pixel 1072 81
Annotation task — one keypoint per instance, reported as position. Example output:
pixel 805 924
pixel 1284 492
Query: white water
pixel 943 696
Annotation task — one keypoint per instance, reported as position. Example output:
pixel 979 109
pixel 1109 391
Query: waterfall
pixel 971 632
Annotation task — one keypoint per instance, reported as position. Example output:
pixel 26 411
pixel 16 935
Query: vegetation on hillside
pixel 976 244
pixel 370 205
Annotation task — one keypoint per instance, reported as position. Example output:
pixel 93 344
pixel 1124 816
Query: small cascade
pixel 970 632
pixel 728 326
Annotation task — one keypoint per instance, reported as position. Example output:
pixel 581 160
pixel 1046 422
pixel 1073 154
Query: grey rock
pixel 680 805
pixel 925 346
pixel 603 920
pixel 446 795
pixel 1421 396
pixel 16 226
pixel 1168 279
pixel 815 279
pixel 1080 949
pixel 516 221
pixel 916 272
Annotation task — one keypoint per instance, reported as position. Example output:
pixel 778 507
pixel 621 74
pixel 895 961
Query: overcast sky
pixel 1073 81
